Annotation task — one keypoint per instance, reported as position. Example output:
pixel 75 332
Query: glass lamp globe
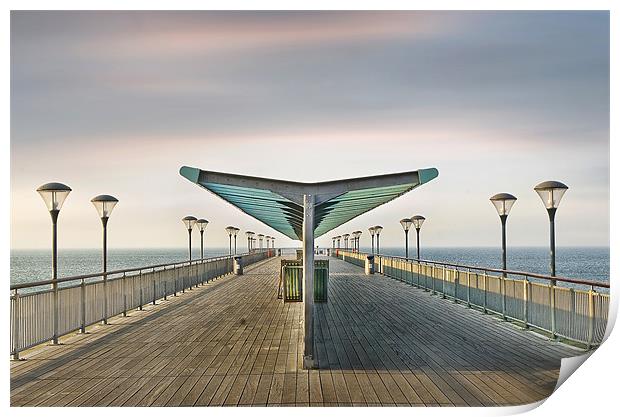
pixel 104 204
pixel 406 224
pixel 418 221
pixel 551 192
pixel 189 222
pixel 503 202
pixel 202 224
pixel 54 195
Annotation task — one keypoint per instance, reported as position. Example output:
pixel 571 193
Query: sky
pixel 116 102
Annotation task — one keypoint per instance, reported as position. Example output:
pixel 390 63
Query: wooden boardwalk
pixel 231 342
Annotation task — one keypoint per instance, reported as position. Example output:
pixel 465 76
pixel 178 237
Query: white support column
pixel 308 286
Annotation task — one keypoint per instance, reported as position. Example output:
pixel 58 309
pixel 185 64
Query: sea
pixel 586 263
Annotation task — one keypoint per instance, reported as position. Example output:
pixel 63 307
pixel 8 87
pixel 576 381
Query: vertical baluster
pixel 526 301
pixel 502 289
pixel 83 306
pixel 154 296
pixel 176 279
pixel 124 294
pixel 484 292
pixel 469 287
pixel 552 307
pixel 141 291
pixel 443 283
pixel 590 316
pixel 15 324
pixel 456 285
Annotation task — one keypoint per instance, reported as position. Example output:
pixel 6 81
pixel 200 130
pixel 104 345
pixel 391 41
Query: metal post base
pixel 308 362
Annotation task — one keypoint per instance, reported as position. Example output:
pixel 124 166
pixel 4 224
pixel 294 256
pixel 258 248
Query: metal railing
pixel 559 306
pixel 39 315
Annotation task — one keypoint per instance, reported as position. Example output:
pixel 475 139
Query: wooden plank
pixel 231 342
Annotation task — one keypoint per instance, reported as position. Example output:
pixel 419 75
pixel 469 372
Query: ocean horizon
pixel 587 263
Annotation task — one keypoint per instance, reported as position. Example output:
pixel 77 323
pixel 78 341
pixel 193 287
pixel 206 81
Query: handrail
pixel 120 271
pixel 599 284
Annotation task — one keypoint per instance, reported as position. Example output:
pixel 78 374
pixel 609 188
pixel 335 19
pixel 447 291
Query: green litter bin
pixel 290 287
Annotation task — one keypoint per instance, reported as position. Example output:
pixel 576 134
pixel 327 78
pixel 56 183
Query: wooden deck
pixel 231 342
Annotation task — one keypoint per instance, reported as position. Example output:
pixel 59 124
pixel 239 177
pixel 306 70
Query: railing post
pixel 590 317
pixel 502 289
pixel 484 292
pixel 105 298
pixel 176 279
pixel 469 287
pixel 165 291
pixel 573 308
pixel 124 294
pixel 83 306
pixel 15 326
pixel 443 283
pixel 432 280
pixel 141 292
pixel 456 285
pixel 552 307
pixel 154 289
pixel 526 301
pixel 55 312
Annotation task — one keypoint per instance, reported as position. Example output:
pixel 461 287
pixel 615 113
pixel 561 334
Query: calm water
pixel 589 263
pixel 583 263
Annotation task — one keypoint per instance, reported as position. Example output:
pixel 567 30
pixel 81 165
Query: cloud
pixel 124 98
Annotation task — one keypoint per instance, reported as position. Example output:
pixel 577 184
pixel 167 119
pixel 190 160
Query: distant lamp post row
pixel 351 241
pixel 550 192
pixel 54 195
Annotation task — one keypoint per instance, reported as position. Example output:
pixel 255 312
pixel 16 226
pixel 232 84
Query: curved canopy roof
pixel 279 204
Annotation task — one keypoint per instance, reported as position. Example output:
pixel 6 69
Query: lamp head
pixel 418 221
pixel 503 202
pixel 54 195
pixel 551 192
pixel 189 222
pixel 202 224
pixel 406 224
pixel 104 204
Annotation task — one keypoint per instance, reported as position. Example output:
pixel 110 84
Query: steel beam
pixel 308 286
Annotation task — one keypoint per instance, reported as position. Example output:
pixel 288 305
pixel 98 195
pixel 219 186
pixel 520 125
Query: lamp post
pixel 357 233
pixel 372 238
pixel 551 192
pixel 503 202
pixel 260 242
pixel 235 232
pixel 104 204
pixel 406 224
pixel 54 195
pixel 417 223
pixel 333 243
pixel 230 230
pixel 249 236
pixel 378 230
pixel 202 225
pixel 189 222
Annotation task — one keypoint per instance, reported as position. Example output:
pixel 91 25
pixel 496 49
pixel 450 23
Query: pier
pixel 230 341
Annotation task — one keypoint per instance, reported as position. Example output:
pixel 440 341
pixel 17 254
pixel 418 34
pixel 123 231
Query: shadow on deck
pixel 231 342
